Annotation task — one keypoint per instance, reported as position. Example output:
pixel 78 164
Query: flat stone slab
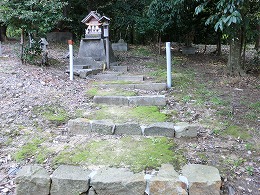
pixel 68 180
pixel 118 181
pixel 106 77
pixel 151 86
pixel 117 86
pixel 130 78
pixel 117 77
pixel 33 180
pixel 111 100
pixel 106 127
pixel 153 100
pixel 144 86
pixel 128 129
pixel 79 126
pixel 202 179
pixel 160 129
pixel 187 130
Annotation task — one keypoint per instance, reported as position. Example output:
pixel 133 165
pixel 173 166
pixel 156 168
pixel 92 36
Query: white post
pixel 0 48
pixel 71 59
pixel 107 52
pixel 169 66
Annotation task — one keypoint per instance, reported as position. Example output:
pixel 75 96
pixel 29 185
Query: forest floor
pixel 227 107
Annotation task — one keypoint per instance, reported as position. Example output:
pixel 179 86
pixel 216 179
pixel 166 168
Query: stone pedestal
pixel 95 48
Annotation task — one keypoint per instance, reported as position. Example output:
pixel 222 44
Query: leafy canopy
pixel 32 15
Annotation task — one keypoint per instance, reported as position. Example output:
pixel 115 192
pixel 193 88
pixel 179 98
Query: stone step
pixel 115 77
pixel 68 180
pixel 83 126
pixel 141 86
pixel 149 100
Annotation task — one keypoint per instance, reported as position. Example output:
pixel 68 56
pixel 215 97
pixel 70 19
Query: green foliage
pixel 139 154
pixel 32 15
pixel 32 54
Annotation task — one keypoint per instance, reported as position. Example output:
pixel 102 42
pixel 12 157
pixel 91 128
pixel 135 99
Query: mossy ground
pixel 139 114
pixel 137 153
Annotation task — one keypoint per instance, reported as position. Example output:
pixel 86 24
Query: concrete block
pixel 118 181
pixel 32 180
pixel 117 86
pixel 79 126
pixel 120 46
pixel 69 180
pixel 151 86
pixel 111 100
pixel 188 50
pixel 128 129
pixel 106 127
pixel 153 100
pixel 160 129
pixel 166 182
pixel 106 77
pixel 202 179
pixel 119 68
pixel 187 130
pixel 130 78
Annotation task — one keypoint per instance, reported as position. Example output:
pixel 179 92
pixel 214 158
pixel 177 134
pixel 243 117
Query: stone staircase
pixel 192 179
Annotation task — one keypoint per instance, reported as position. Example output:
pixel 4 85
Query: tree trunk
pixel 22 46
pixel 219 44
pixel 257 43
pixel 234 59
pixel 160 43
pixel 3 29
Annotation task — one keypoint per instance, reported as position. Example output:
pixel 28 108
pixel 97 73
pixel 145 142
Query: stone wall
pixel 75 180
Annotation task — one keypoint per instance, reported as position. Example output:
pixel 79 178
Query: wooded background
pixel 236 22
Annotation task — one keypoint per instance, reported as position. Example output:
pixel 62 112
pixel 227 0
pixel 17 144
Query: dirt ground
pixel 24 87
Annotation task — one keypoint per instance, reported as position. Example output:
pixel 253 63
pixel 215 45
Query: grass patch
pixel 109 92
pixel 255 106
pixel 139 154
pixel 159 75
pixel 53 113
pixel 236 131
pixel 140 114
pixel 32 149
pixel 183 80
pixel 148 114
